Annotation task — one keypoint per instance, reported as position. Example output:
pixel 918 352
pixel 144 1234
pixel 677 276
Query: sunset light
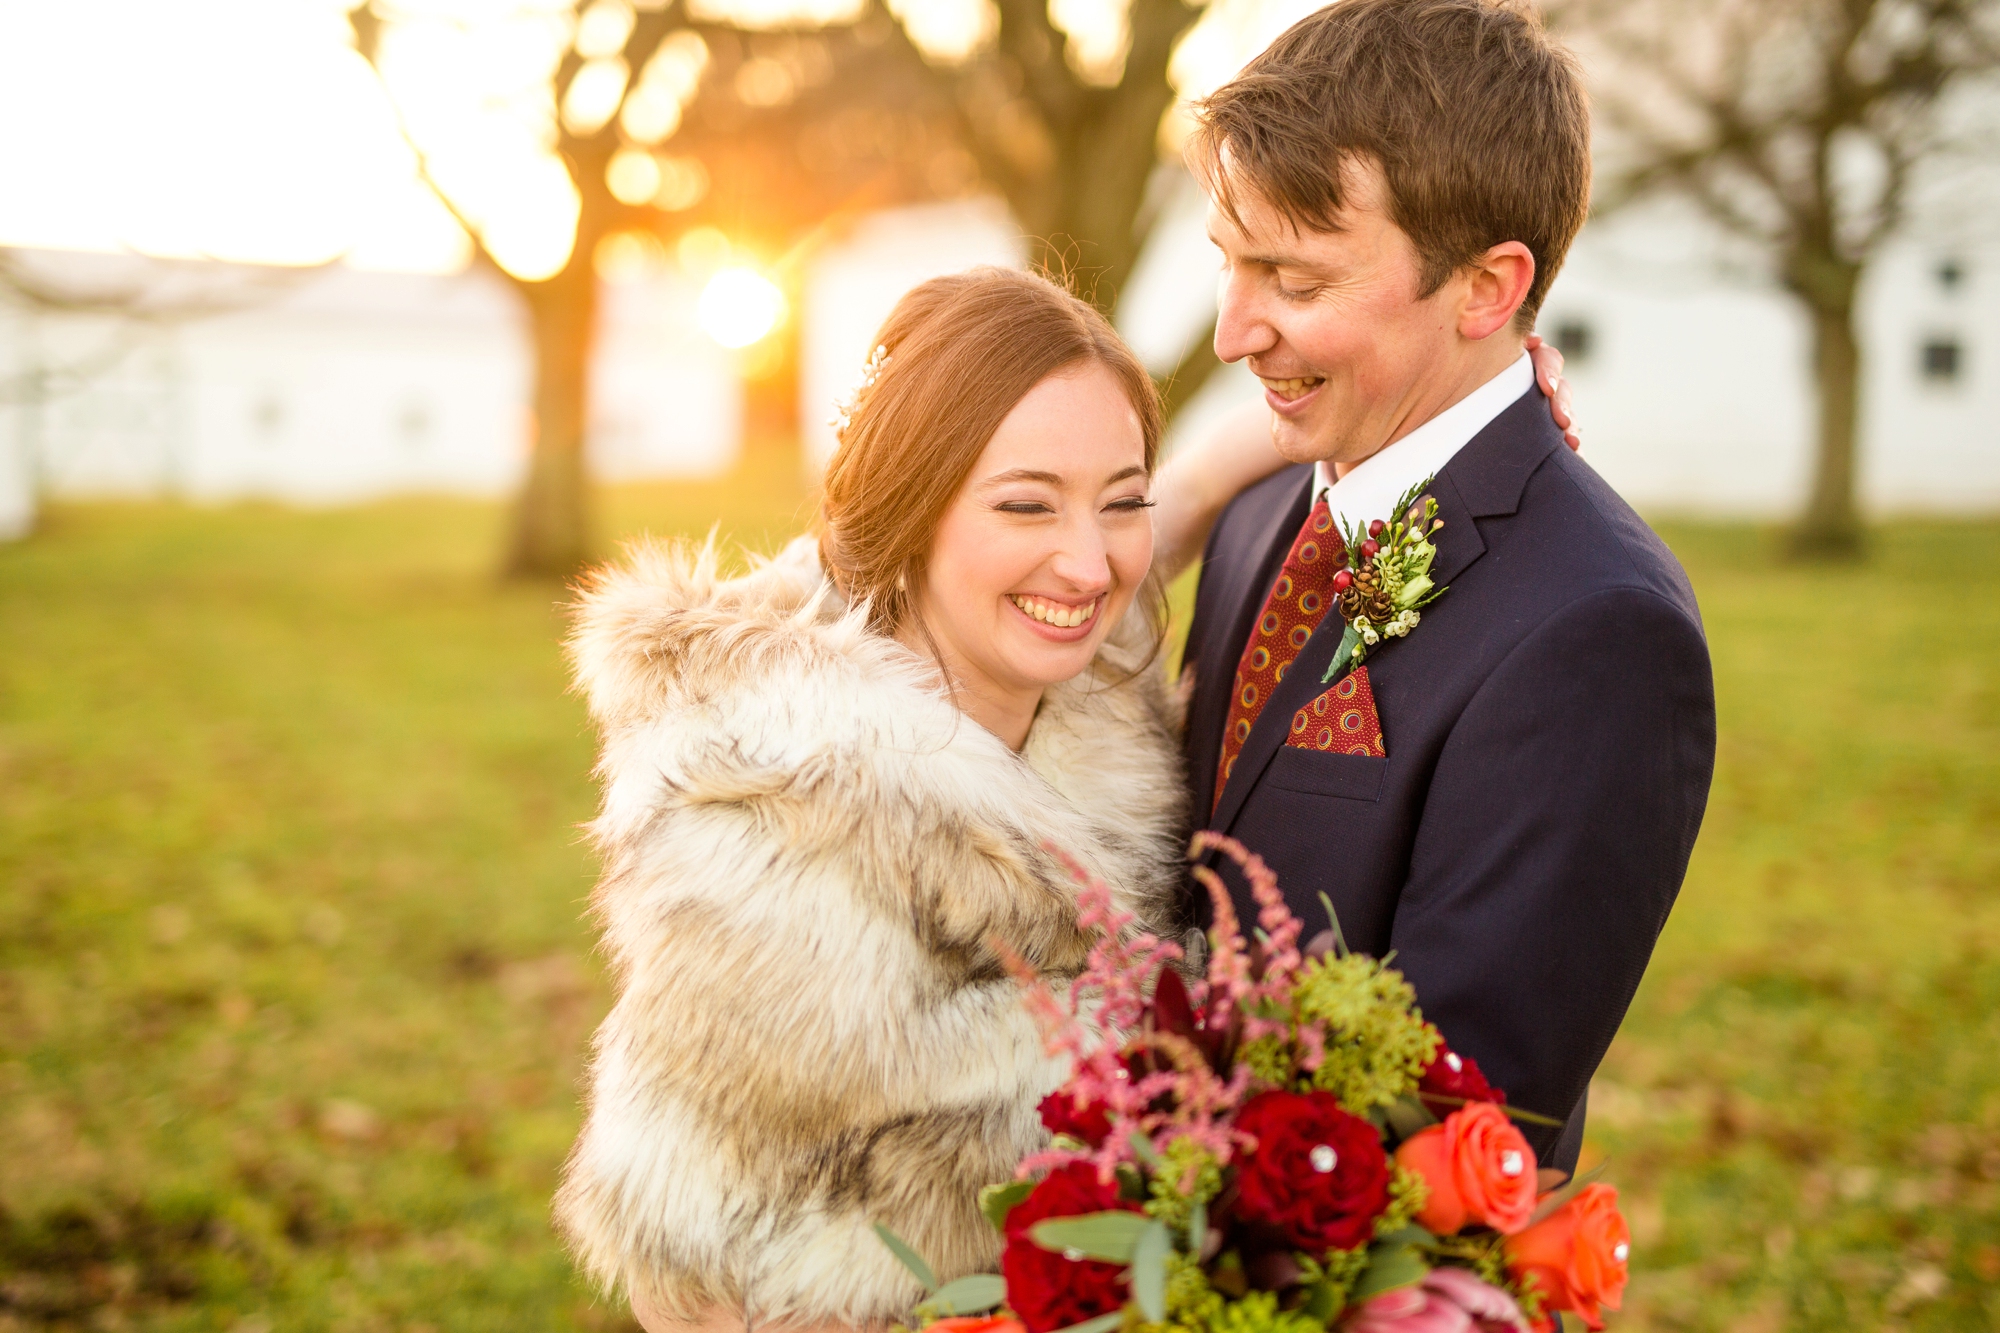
pixel 739 306
pixel 142 152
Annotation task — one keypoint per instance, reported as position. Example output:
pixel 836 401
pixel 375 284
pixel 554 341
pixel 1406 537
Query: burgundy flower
pixel 1046 1290
pixel 1454 1075
pixel 1061 1115
pixel 1318 1174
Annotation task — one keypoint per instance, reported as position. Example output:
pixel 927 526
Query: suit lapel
pixel 1483 480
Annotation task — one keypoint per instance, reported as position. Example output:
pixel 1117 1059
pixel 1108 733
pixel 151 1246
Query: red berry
pixel 1343 581
pixel 1369 548
pixel 1376 528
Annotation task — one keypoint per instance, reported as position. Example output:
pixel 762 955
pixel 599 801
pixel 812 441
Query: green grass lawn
pixel 295 988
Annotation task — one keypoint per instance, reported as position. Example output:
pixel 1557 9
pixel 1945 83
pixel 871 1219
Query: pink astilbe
pixel 1113 988
pixel 1233 983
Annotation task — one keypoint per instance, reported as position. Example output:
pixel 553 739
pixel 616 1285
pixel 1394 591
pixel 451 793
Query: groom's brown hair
pixel 1477 119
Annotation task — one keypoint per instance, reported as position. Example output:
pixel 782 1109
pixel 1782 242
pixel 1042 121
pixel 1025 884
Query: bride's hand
pixel 1548 375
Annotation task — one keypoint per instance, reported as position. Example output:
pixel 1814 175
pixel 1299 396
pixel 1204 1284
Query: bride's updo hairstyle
pixel 961 351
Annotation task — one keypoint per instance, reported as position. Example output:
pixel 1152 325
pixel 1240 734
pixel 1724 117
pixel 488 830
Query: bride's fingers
pixel 1565 414
pixel 1548 363
pixel 1548 377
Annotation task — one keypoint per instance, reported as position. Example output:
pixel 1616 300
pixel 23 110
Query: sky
pixel 250 130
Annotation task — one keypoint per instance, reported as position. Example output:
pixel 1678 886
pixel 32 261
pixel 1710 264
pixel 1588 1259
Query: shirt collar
pixel 1369 491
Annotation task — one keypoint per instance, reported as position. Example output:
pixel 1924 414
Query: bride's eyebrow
pixel 1022 474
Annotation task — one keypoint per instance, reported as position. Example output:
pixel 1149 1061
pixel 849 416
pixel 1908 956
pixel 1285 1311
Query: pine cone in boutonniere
pixel 1381 594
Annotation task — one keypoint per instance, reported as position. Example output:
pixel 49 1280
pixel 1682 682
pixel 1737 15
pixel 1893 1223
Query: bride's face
pixel 1046 543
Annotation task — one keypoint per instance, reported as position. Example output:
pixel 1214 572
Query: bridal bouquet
pixel 1284 1147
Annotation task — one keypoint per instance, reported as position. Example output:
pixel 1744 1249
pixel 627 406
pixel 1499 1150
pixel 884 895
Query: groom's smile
pixel 1292 389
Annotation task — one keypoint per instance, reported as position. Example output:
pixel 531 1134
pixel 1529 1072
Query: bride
pixel 834 787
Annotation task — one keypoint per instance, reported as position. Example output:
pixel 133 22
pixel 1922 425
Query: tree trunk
pixel 1830 528
pixel 551 527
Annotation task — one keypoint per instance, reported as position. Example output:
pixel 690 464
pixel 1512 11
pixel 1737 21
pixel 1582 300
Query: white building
pixel 1693 387
pixel 328 386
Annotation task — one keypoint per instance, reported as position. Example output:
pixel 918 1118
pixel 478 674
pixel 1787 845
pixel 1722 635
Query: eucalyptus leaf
pixel 1142 1148
pixel 1409 1235
pixel 996 1201
pixel 1111 1237
pixel 1197 1227
pixel 1149 1272
pixel 908 1257
pixel 973 1294
pixel 1407 1115
pixel 1389 1267
pixel 1102 1324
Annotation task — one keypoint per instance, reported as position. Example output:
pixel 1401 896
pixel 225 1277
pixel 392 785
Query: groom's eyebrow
pixel 1216 241
pixel 1272 260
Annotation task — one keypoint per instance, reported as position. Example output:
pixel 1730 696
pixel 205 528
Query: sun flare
pixel 740 306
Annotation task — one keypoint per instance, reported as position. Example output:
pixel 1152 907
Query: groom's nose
pixel 1240 327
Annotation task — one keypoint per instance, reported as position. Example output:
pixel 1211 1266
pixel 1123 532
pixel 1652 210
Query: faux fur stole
pixel 807 852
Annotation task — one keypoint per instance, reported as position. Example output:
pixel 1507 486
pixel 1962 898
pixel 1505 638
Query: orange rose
pixel 1576 1256
pixel 1480 1170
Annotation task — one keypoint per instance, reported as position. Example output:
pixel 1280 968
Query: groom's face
pixel 1331 322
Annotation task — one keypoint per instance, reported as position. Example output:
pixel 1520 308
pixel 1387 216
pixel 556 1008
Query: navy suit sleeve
pixel 1553 841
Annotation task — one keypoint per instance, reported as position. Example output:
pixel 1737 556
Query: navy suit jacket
pixel 1550 728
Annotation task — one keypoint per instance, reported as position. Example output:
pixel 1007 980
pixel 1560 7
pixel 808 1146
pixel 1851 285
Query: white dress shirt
pixel 1371 488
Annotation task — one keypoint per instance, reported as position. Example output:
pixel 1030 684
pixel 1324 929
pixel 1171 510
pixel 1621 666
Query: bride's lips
pixel 1053 618
pixel 1291 394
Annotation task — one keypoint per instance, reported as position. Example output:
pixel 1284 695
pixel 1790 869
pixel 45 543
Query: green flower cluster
pixel 1183 1161
pixel 1272 1060
pixel 1408 1193
pixel 1330 1278
pixel 1193 1306
pixel 1377 1043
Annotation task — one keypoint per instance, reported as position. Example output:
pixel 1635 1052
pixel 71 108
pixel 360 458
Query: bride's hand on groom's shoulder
pixel 1549 376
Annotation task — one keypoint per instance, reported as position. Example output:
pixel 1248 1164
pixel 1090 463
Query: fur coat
pixel 806 850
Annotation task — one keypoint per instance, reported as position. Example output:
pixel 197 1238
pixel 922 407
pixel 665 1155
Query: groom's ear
pixel 1494 285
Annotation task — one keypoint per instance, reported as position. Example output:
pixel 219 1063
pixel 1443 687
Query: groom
pixel 1506 796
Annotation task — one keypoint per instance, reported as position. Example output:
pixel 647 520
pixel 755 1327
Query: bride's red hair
pixel 962 351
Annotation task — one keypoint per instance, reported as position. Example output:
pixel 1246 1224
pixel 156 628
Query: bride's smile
pixel 1056 617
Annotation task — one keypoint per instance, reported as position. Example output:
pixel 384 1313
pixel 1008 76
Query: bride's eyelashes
pixel 1130 504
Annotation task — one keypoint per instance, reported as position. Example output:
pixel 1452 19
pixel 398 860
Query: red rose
pixel 1046 1290
pixel 1455 1075
pixel 1061 1115
pixel 1318 1174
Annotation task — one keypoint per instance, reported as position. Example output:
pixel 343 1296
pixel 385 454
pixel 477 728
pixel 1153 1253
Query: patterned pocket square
pixel 1340 721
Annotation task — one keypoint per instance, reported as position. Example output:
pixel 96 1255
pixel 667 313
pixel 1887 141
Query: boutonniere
pixel 1388 578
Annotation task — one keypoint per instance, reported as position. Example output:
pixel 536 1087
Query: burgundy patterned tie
pixel 1291 613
